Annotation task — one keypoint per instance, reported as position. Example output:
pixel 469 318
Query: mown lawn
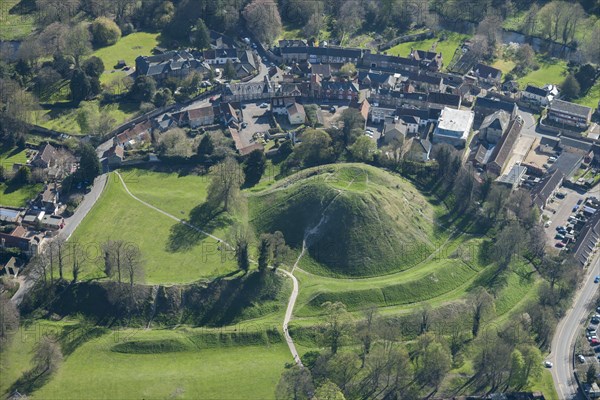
pixel 18 196
pixel 550 71
pixel 504 65
pixel 12 155
pixel 14 26
pixel 128 48
pixel 446 47
pixel 173 253
pixel 592 97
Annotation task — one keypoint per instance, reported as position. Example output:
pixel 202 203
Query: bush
pixel 105 32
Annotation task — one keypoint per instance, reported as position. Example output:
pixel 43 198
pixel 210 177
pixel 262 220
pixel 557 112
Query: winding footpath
pixel 292 301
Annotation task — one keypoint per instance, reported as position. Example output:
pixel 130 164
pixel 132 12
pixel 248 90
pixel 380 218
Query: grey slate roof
pixel 570 108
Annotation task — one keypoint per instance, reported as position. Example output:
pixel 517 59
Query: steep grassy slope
pixel 369 221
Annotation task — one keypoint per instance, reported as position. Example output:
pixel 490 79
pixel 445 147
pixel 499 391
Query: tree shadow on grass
pixel 30 381
pixel 205 217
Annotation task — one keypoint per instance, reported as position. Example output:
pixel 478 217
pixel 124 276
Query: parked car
pixel 595 321
pixel 264 105
pixel 561 195
pixel 244 124
pixel 559 236
pixel 575 208
pixel 597 279
pixel 581 358
pixel 548 364
pixel 579 201
pixel 547 224
pixel 560 244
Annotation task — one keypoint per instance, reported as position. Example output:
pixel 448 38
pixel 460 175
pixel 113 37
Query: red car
pixel 213 99
pixel 594 342
pixel 560 244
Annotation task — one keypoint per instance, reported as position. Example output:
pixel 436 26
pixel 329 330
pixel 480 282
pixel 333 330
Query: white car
pixel 548 364
pixel 547 224
pixel 581 358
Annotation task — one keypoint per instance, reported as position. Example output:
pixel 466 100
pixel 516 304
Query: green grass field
pixel 592 97
pixel 128 48
pixel 551 71
pixel 173 252
pixel 504 65
pixel 14 26
pixel 446 47
pixel 152 364
pixel 18 196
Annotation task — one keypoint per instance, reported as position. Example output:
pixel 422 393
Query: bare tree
pixel 78 42
pixel 482 304
pixel 9 318
pixel 134 268
pixel 47 356
pixel 224 188
pixel 114 257
pixel 367 333
pixel 38 266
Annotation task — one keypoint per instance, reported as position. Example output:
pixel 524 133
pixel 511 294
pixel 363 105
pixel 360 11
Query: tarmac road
pixel 566 332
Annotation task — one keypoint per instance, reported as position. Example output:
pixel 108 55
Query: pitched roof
pixel 535 90
pixel 544 189
pixel 447 99
pixel 487 72
pixel 201 112
pixel 504 148
pixel 47 153
pixel 570 108
pixel 498 120
pixel 577 144
pixel 587 239
pixel 494 104
pixel 296 109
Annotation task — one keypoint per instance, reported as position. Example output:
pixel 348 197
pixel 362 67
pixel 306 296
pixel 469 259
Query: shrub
pixel 105 32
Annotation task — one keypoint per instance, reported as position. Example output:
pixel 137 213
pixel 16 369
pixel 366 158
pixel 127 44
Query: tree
pixel 586 76
pixel 174 143
pixel 77 42
pixel 95 121
pixel 143 88
pixel 590 375
pixel 570 88
pixel 241 239
pixel 313 25
pixel 89 164
pixel 58 246
pixel 349 18
pixel 9 318
pixel 348 70
pixel 482 304
pixel 76 256
pixel 434 362
pixel 80 85
pixel 329 391
pixel 134 268
pixel 201 35
pixel 336 325
pixel 229 70
pixel 509 244
pixel 517 378
pixel 353 125
pixel 163 97
pixel 113 252
pixel 263 20
pixel 224 188
pixel 105 32
pixel 264 253
pixel 279 249
pixel 47 355
pixel 366 332
pixel 93 67
pixel 23 176
pixel 363 149
pixel 525 56
pixel 315 149
pixel 295 384
pixel 206 146
pixel 254 167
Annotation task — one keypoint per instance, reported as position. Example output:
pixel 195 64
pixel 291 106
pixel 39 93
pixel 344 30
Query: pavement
pixel 562 344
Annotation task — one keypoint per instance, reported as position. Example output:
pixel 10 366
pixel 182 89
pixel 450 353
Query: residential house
pixel 46 157
pixel 453 127
pixel 137 134
pixel 114 156
pixel 249 91
pixel 567 163
pixel 485 106
pixel 440 100
pixel 220 41
pixel 10 215
pixel 573 145
pixel 167 122
pixel 513 178
pixel 493 126
pixel 426 83
pixel 548 146
pixel 379 114
pixel 587 240
pixel 247 65
pixel 292 43
pixel 412 123
pixel 200 116
pixel 503 149
pixel 321 55
pixel 363 108
pixel 171 64
pixel 539 96
pixel 279 105
pixel 230 115
pixel 546 188
pixel 570 114
pixel 48 200
pixel 427 59
pixel 221 56
pixel 423 115
pixel 296 114
pixel 339 90
pixel 487 74
pixel 394 130
pixel 321 69
pixel 420 150
pixel 22 239
pixel 375 61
